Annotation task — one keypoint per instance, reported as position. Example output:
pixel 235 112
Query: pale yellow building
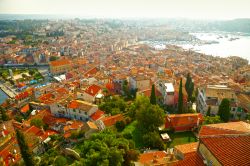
pixel 59 66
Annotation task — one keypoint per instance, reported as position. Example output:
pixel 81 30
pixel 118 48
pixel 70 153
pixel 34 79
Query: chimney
pixel 3 134
pixel 91 91
pixel 42 130
pixel 4 127
pixel 198 122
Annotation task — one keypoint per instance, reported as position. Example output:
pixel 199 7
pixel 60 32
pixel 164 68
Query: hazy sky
pixel 201 9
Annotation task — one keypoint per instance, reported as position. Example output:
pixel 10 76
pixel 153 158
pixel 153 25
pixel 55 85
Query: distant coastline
pixel 222 44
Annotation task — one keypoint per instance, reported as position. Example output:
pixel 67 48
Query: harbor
pixel 10 93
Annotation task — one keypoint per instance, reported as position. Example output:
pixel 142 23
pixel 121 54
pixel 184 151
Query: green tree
pixel 31 72
pixel 120 125
pixel 131 155
pixel 188 81
pixel 212 120
pixel 37 122
pixel 209 111
pixel 115 156
pixel 152 96
pixel 125 89
pixel 48 158
pixel 189 86
pixel 115 111
pixel 190 91
pixel 180 99
pixel 132 110
pixel 3 114
pixel 53 58
pixel 25 152
pixel 24 75
pixel 60 160
pixel 112 105
pixel 105 148
pixel 150 118
pixel 153 140
pixel 224 110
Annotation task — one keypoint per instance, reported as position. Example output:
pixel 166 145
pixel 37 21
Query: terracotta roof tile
pixel 208 130
pixel 147 158
pixel 229 150
pixel 82 105
pixel 91 71
pixel 35 130
pixel 225 128
pixel 60 62
pixel 191 159
pixel 187 148
pixel 111 120
pixel 25 109
pixel 238 126
pixel 97 115
pixel 93 90
pixel 22 95
pixel 73 126
pixel 182 120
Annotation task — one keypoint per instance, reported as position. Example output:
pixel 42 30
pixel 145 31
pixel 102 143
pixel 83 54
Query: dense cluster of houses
pixel 89 67
pixel 219 144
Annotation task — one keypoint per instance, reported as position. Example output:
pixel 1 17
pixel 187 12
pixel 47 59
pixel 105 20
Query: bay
pixel 3 96
pixel 227 45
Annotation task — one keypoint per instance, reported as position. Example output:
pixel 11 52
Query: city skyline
pixel 195 9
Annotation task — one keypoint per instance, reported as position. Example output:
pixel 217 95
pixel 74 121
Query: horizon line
pixel 74 16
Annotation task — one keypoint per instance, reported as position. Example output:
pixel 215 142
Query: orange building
pixel 59 66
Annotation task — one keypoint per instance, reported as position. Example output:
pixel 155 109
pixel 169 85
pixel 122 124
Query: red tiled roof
pixel 187 148
pixel 207 130
pixel 45 97
pixel 21 84
pixel 191 159
pixel 48 133
pixel 97 115
pixel 73 104
pixel 60 62
pixel 147 158
pixel 61 91
pixel 93 89
pixel 110 86
pixel 111 120
pixel 74 126
pixel 22 95
pixel 229 149
pixel 182 120
pixel 35 130
pixel 51 120
pixel 91 71
pixel 25 108
pixel 225 128
pixel 67 135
